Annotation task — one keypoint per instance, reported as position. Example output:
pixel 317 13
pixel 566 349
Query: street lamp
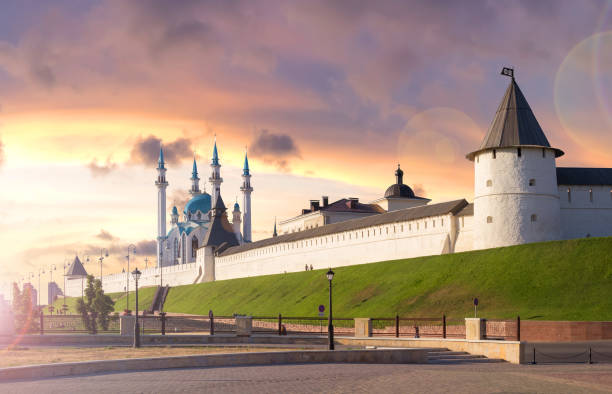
pixel 40 271
pixel 136 275
pixel 127 276
pixel 103 254
pixel 52 268
pixel 330 326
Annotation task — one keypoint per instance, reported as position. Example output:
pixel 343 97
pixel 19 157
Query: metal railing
pixel 416 327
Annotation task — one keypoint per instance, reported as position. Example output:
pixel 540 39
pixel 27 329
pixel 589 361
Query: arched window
pixel 534 218
pixel 178 248
pixel 489 183
pixel 591 195
pixel 494 154
pixel 199 215
pixel 489 219
pixel 194 246
pixel 175 246
pixel 569 195
pixel 519 152
pixel 532 182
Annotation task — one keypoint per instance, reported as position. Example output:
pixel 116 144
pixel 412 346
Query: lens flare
pixel 583 90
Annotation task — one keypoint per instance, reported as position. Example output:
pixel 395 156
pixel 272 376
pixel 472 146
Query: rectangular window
pixel 591 195
pixel 543 152
pixel 442 223
pixel 519 152
pixel 494 154
pixel 489 219
pixel 569 195
pixel 532 182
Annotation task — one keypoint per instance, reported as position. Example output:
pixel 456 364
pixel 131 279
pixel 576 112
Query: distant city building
pixel 53 291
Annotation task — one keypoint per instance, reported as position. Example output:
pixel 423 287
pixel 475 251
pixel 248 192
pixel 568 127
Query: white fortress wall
pixel 422 237
pixel 585 211
pixel 465 233
pixel 174 275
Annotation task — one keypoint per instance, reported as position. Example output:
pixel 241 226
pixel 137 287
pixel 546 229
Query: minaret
pixel 275 234
pixel 195 180
pixel 175 216
pixel 246 202
pixel 237 221
pixel 161 205
pixel 215 176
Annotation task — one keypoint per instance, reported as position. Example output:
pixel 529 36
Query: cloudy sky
pixel 328 96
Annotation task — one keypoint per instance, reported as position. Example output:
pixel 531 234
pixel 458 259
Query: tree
pixel 24 310
pixel 96 307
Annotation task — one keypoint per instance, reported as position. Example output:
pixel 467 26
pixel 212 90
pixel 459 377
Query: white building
pixel 520 196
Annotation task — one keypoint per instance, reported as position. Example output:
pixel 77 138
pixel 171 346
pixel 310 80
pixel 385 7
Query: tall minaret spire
pixel 246 200
pixel 195 180
pixel 161 205
pixel 215 176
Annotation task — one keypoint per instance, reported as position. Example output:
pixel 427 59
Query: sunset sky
pixel 328 96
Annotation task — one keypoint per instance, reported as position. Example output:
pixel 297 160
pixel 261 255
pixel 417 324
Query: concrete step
pixel 446 353
pixel 466 361
pixel 454 357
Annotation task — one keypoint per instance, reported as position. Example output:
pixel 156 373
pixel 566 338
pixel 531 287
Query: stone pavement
pixel 340 378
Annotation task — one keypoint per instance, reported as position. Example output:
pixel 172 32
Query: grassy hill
pixel 561 280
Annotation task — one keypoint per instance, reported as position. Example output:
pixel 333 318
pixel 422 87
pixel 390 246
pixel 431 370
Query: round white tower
pixel 516 199
pixel 161 206
pixel 246 200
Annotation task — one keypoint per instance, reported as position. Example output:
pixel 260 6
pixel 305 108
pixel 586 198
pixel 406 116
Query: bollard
pixel 280 324
pixel 212 323
pixel 590 359
pixel 42 326
pixel 443 326
pixel 397 327
pixel 163 322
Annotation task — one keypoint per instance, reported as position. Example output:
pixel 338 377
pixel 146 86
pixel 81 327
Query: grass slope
pixel 561 280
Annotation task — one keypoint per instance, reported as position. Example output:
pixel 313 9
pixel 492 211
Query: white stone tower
pixel 161 206
pixel 215 176
pixel 195 180
pixel 246 200
pixel 515 184
pixel 237 221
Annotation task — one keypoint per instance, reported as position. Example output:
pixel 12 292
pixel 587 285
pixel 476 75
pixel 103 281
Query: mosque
pixel 520 196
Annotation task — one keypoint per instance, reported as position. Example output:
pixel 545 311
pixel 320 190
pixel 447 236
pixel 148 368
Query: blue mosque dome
pixel 200 202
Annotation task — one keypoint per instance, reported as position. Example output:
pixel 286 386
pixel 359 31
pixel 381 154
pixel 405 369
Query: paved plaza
pixel 339 378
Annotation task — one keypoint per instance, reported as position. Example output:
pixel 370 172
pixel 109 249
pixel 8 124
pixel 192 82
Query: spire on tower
pixel 245 170
pixel 215 158
pixel 160 161
pixel 194 172
pixel 399 175
pixel 274 234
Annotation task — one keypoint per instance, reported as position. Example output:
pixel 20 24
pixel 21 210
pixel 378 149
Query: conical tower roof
pixel 220 231
pixel 76 268
pixel 514 125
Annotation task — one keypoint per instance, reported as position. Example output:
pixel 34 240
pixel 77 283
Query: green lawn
pixel 561 280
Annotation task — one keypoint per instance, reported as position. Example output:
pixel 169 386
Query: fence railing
pixel 417 327
pixel 503 329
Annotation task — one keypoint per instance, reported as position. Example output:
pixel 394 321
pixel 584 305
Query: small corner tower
pixel 215 176
pixel 161 204
pixel 246 200
pixel 195 180
pixel 516 198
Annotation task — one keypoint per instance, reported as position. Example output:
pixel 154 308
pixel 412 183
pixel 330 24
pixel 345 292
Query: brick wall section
pixel 564 331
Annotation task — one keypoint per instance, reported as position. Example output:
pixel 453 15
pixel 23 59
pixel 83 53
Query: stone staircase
pixel 445 356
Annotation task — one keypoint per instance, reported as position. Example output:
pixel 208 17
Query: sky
pixel 326 96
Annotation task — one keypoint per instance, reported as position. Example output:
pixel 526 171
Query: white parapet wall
pixel 422 237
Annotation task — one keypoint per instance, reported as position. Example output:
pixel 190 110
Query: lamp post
pixel 65 307
pixel 103 254
pixel 146 259
pixel 330 326
pixel 83 277
pixel 127 276
pixel 52 268
pixel 136 275
pixel 40 271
